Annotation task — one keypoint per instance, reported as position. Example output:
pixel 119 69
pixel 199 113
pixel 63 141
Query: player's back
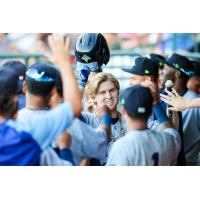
pixel 145 147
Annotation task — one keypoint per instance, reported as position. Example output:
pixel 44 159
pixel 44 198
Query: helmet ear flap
pixel 106 50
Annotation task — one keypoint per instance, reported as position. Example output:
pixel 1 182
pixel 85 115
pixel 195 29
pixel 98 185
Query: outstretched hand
pixel 60 48
pixel 175 100
pixel 154 89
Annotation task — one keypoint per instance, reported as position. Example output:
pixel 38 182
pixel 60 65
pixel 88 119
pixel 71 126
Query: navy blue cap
pixel 157 58
pixel 8 81
pixel 144 67
pixel 137 101
pixel 181 63
pixel 19 67
pixel 42 73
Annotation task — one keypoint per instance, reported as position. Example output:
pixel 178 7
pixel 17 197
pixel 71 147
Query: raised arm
pixel 157 108
pixel 61 58
pixel 179 103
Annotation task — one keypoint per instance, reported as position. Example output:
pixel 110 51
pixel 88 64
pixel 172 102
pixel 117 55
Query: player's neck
pixel 2 119
pixel 135 125
pixel 115 114
pixel 180 87
pixel 36 102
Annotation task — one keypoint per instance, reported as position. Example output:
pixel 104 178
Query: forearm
pixel 193 103
pixel 70 84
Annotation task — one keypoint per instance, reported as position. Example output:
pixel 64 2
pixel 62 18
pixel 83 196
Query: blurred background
pixel 124 47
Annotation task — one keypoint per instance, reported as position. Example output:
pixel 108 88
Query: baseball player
pixel 22 142
pixel 87 142
pixel 144 69
pixel 92 53
pixel 179 69
pixel 143 146
pixel 20 68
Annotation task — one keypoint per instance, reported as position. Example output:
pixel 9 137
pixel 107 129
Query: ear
pixel 148 78
pixel 123 110
pixel 24 88
pixel 53 92
pixel 177 73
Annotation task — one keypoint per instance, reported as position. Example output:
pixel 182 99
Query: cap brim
pixel 93 65
pixel 169 64
pixel 131 71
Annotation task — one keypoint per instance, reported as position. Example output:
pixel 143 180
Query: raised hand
pixel 175 100
pixel 154 90
pixel 60 48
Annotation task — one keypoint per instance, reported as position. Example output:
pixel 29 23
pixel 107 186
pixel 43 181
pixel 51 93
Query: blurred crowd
pixel 163 43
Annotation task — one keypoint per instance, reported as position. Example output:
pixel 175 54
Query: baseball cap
pixel 180 63
pixel 137 101
pixel 8 81
pixel 42 72
pixel 19 68
pixel 144 67
pixel 159 59
pixel 40 79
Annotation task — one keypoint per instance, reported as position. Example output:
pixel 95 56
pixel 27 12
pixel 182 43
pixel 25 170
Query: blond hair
pixel 95 81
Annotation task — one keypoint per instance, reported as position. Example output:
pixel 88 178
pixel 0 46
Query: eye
pixel 103 92
pixel 113 90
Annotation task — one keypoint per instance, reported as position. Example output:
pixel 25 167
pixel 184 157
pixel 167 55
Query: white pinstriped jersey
pixel 145 147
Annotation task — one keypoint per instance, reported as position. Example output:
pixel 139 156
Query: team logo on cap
pixel 147 71
pixel 86 58
pixel 161 64
pixel 141 110
pixel 123 101
pixel 176 66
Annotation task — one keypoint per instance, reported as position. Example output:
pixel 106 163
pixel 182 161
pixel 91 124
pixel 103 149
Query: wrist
pixel 62 64
pixel 106 119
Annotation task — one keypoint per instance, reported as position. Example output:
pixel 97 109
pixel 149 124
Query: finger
pixel 169 93
pixel 175 92
pixel 50 41
pixel 166 101
pixel 145 84
pixel 173 109
pixel 67 43
pixel 165 97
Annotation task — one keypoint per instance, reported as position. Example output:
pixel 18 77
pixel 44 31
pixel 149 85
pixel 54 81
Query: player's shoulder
pixel 130 138
pixel 90 118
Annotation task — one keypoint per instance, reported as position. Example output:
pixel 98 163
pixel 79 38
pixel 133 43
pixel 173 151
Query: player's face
pixel 136 79
pixel 108 95
pixel 167 73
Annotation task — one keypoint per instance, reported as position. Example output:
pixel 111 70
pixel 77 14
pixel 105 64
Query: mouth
pixel 109 102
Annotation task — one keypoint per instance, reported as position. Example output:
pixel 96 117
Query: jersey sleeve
pixel 89 118
pixel 50 158
pixel 118 155
pixel 87 142
pixel 50 125
pixel 176 141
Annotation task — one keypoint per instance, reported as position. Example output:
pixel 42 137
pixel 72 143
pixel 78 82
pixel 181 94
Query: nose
pixel 130 83
pixel 108 95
